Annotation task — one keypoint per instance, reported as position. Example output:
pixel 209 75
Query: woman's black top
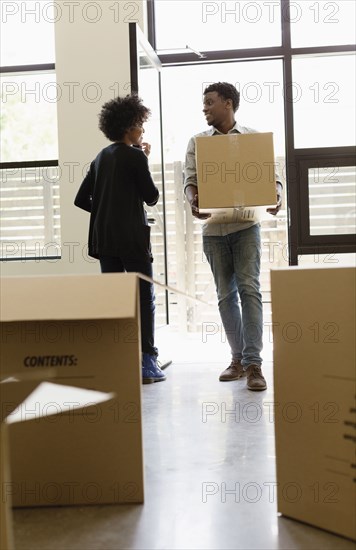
pixel 113 191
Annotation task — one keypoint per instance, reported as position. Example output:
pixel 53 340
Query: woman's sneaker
pixel 150 370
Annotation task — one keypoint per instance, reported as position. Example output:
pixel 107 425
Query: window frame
pixel 317 158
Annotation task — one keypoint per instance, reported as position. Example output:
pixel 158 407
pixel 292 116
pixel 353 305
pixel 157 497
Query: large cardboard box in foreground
pixel 314 386
pixel 86 328
pixel 235 170
pixel 19 393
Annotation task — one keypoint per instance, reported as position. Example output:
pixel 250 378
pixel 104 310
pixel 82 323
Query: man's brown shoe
pixel 233 372
pixel 255 378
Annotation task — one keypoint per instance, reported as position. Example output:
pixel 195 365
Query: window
pixel 29 202
pixel 332 200
pixel 324 101
pixel 322 23
pixel 30 224
pixel 294 67
pixel 28 116
pixel 261 107
pixel 327 200
pixel 206 26
pixel 261 100
pixel 33 22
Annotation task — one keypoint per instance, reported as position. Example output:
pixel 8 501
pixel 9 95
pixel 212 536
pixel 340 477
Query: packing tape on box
pixel 173 289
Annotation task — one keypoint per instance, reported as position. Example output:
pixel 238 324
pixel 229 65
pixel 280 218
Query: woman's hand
pixel 146 148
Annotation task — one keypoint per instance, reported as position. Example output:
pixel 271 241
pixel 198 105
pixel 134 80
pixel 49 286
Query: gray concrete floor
pixel 202 439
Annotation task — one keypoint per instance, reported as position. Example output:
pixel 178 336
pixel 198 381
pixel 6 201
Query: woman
pixel 114 190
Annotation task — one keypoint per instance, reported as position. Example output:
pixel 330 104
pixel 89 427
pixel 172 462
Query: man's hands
pixel 274 211
pixel 192 196
pixel 195 209
pixel 193 199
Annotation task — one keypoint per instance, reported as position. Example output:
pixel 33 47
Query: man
pixel 233 251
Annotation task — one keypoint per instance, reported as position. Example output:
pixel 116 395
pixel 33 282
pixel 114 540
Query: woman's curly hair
pixel 119 114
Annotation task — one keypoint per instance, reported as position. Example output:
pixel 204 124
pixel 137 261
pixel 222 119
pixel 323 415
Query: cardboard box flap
pixel 16 388
pixel 46 399
pixel 45 298
pixel 12 393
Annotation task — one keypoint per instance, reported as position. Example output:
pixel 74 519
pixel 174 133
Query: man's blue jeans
pixel 235 261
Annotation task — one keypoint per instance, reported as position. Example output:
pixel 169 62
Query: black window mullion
pixel 254 54
pixel 28 68
pixel 320 50
pixel 151 23
pixel 291 176
pixel 28 164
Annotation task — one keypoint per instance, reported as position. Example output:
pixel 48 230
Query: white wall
pixel 92 66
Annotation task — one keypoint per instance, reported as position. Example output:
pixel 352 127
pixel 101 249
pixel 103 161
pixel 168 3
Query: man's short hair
pixel 226 91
